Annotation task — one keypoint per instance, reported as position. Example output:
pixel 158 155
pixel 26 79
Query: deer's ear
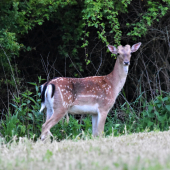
pixel 112 49
pixel 135 47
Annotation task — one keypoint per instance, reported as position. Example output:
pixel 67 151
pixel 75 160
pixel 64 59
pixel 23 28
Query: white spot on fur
pixel 64 103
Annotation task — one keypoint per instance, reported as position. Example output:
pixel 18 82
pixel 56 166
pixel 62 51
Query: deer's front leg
pixel 101 122
pixel 94 124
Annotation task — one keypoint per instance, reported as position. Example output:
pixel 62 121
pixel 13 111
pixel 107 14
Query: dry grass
pixel 136 151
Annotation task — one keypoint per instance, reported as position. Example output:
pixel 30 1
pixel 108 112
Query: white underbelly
pixel 84 109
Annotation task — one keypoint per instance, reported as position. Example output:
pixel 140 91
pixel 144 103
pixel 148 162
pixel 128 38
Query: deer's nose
pixel 126 63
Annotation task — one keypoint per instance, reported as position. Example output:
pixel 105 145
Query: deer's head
pixel 124 52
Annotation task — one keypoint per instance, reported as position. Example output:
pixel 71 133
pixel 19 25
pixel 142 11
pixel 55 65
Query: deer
pixel 93 95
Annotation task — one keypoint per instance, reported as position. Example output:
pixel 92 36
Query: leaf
pixel 165 98
pixel 24 95
pixel 149 123
pixel 22 127
pixel 32 83
pixel 40 23
pixel 29 48
pixel 150 108
pixel 32 100
pixel 14 105
pixel 117 125
pixel 159 105
pixel 23 104
pixel 87 61
pixel 168 107
pixel 30 115
pixel 156 113
pixel 162 118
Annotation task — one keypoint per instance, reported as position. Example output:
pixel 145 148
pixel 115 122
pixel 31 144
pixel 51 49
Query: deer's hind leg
pixel 54 119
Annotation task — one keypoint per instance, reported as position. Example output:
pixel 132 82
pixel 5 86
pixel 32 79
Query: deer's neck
pixel 118 77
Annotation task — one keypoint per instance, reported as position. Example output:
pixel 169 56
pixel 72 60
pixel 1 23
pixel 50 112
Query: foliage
pixel 19 17
pixel 73 24
pixel 158 113
pixel 155 11
pixel 26 120
pixel 154 115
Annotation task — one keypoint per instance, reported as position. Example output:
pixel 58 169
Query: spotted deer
pixel 94 95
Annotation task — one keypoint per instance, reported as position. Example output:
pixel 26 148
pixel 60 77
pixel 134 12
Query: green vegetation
pixel 27 121
pixel 69 38
pixel 43 39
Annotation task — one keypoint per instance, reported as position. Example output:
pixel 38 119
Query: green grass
pixel 134 152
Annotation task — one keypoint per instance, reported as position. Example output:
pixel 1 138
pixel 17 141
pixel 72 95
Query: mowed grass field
pixel 134 152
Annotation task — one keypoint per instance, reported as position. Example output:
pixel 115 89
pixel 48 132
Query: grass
pixel 134 152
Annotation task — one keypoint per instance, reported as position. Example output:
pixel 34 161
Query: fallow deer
pixel 94 95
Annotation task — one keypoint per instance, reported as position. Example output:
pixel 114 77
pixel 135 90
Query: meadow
pixel 147 150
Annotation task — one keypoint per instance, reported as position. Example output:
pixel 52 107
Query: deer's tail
pixel 50 89
pixel 44 93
